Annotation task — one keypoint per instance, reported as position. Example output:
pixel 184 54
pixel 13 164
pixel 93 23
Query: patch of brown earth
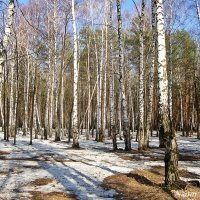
pixel 149 185
pixel 2 172
pixel 138 157
pixel 41 181
pixel 31 166
pixel 149 156
pixel 184 157
pixel 28 159
pixel 36 195
pixel 64 160
pixel 133 151
pixel 4 152
pixel 159 170
pixel 72 148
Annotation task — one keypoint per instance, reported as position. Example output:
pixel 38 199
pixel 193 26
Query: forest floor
pixel 54 171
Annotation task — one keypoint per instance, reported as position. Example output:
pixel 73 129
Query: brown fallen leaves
pixel 149 185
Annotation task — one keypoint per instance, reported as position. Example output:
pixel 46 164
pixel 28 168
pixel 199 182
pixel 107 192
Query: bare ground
pixel 149 185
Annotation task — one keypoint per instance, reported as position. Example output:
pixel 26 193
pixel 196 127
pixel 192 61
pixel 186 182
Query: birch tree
pixel 165 128
pixel 4 44
pixel 151 74
pixel 112 79
pixel 198 10
pixel 170 59
pixel 75 85
pixel 141 144
pixel 126 128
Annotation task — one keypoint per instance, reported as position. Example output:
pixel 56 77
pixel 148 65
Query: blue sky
pixel 127 3
pixel 23 1
pixel 189 22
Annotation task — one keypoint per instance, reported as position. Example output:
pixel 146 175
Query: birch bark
pixel 11 122
pixel 198 10
pixel 165 128
pixel 151 74
pixel 141 145
pixel 126 128
pixel 4 43
pixel 75 85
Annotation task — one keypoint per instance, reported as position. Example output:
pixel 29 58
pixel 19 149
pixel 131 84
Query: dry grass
pixel 36 195
pixel 4 152
pixel 148 185
pixel 72 148
pixel 184 157
pixel 159 156
pixel 41 181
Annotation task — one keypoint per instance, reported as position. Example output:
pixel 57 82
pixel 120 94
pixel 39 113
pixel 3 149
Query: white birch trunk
pixel 166 129
pixel 170 60
pixel 112 80
pixel 88 82
pixel 38 121
pixel 75 85
pixel 100 79
pixel 105 67
pixel 181 102
pixel 126 128
pixel 141 145
pixel 11 122
pixel 62 108
pixel 198 10
pixel 26 96
pixel 47 105
pixel 151 74
pixel 4 44
pixel 35 118
pixel 1 107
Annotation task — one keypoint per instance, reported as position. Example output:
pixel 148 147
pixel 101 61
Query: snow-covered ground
pixel 78 172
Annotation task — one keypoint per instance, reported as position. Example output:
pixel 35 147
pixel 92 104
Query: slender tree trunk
pixel 170 63
pixel 141 144
pixel 11 125
pixel 4 102
pixel 100 79
pixel 75 85
pixel 198 10
pixel 88 82
pixel 52 81
pixel 7 100
pixel 181 102
pixel 32 105
pixel 166 128
pixel 26 96
pixel 38 121
pixel 119 110
pixel 61 118
pixel 98 112
pixel 17 91
pixel 47 105
pixel 1 107
pixel 197 71
pixel 112 81
pixel 35 119
pixel 3 51
pixel 126 128
pixel 105 68
pixel 46 118
pixel 151 74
